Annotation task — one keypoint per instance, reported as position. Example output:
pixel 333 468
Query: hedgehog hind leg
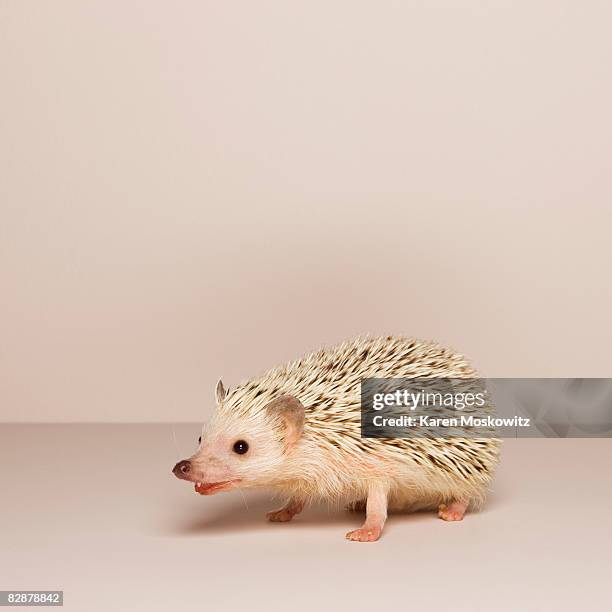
pixel 455 511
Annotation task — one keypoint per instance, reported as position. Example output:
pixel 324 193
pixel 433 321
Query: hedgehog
pixel 296 429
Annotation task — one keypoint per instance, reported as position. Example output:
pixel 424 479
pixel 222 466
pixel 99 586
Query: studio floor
pixel 93 510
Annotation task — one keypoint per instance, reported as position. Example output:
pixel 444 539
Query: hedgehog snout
pixel 182 469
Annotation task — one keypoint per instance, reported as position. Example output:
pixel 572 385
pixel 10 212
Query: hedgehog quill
pixel 296 429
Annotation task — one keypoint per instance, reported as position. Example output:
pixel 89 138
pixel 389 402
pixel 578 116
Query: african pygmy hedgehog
pixel 297 429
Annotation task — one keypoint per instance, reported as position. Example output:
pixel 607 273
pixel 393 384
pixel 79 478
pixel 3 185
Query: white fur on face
pixel 216 461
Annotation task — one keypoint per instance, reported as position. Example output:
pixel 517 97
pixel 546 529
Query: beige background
pixel 198 189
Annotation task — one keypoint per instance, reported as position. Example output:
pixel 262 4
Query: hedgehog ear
pixel 291 412
pixel 220 392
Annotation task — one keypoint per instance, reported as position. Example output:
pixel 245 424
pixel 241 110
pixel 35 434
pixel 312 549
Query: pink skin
pixel 209 474
pixel 286 513
pixel 455 511
pixel 376 515
pixel 214 487
pixel 211 467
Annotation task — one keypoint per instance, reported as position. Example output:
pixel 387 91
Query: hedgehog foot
pixel 285 514
pixel 367 533
pixel 453 512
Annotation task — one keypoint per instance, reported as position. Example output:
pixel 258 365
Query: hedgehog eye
pixel 200 440
pixel 240 447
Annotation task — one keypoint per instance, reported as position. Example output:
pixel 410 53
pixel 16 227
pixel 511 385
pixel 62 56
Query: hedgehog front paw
pixel 280 516
pixel 285 514
pixel 364 534
pixel 454 512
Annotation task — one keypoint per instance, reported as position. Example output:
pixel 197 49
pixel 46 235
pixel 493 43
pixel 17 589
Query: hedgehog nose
pixel 181 469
